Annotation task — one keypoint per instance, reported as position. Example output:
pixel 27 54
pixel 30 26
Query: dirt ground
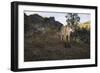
pixel 50 47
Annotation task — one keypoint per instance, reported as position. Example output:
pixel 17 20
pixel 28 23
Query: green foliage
pixel 80 34
pixel 83 35
pixel 72 19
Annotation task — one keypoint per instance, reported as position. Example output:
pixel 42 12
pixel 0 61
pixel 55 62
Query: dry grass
pixel 41 47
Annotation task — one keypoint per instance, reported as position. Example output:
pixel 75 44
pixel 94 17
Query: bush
pixel 83 35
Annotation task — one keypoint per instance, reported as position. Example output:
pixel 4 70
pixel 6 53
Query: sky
pixel 60 16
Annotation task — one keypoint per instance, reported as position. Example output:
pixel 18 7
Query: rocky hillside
pixel 85 25
pixel 37 23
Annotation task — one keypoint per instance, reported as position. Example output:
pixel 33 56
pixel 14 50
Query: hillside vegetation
pixel 41 41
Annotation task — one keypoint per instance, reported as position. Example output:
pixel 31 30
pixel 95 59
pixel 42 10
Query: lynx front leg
pixel 68 38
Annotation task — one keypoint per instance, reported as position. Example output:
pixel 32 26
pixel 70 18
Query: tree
pixel 72 19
